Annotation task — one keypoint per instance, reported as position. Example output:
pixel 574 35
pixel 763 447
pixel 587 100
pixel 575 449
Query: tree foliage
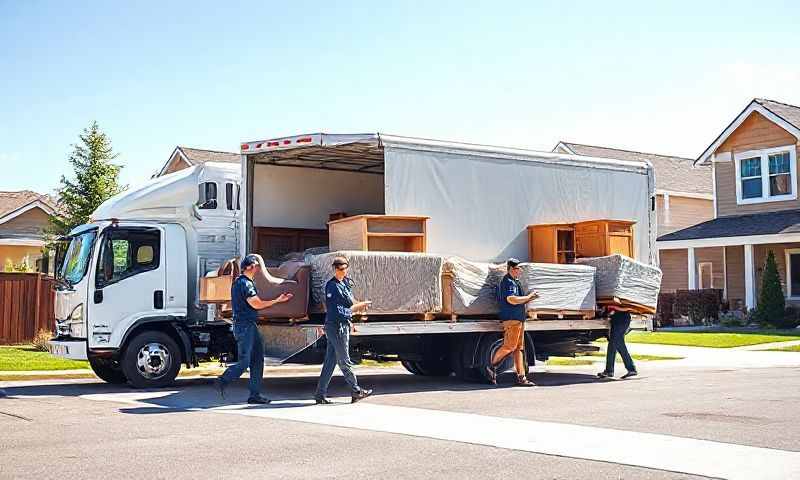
pixel 96 178
pixel 771 300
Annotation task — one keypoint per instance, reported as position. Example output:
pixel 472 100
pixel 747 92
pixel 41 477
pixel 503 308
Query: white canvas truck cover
pixel 480 199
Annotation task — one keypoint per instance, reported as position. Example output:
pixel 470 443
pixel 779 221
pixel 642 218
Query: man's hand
pixel 361 306
pixel 533 295
pixel 284 297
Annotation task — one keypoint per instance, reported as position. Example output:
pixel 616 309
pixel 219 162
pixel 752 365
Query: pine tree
pixel 96 179
pixel 771 300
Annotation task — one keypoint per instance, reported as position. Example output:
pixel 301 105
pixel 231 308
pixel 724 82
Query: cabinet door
pixel 542 245
pixel 620 244
pixel 590 245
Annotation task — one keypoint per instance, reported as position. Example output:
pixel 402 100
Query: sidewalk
pixel 738 357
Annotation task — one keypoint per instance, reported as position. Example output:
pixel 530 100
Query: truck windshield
pixel 76 260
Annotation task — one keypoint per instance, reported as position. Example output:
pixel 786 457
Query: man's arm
pixel 515 300
pixel 258 304
pixel 360 305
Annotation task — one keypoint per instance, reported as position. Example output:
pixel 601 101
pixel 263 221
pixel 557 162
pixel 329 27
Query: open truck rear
pixel 479 200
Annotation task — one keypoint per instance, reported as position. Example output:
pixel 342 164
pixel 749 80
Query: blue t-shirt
pixel 338 300
pixel 242 289
pixel 510 287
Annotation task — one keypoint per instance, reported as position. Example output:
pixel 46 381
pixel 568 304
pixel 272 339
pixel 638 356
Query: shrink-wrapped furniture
pixel 624 281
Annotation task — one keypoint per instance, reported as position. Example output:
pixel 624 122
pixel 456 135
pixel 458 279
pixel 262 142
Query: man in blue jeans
pixel 249 344
pixel 339 308
pixel 620 323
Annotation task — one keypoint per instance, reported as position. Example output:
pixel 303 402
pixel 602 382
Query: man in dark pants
pixel 339 308
pixel 620 323
pixel 249 344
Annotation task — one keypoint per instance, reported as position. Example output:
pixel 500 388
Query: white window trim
pixel 764 155
pixel 700 267
pixel 789 294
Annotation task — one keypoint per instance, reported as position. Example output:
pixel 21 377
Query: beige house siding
pixel 176 164
pixel 683 212
pixel 675 275
pixel 29 223
pixel 756 132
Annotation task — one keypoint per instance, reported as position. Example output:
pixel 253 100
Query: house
pixel 185 157
pixel 23 216
pixel 756 207
pixel 683 198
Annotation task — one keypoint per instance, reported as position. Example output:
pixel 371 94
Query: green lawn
pixel 710 339
pixel 795 348
pixel 26 358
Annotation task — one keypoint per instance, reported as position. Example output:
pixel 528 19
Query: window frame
pixel 788 256
pixel 764 154
pixel 100 282
pixel 203 199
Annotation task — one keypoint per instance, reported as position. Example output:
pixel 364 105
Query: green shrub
pixel 733 319
pixel 771 301
pixel 701 306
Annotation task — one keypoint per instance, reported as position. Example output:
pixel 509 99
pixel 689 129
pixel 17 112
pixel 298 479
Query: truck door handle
pixel 98 296
pixel 158 299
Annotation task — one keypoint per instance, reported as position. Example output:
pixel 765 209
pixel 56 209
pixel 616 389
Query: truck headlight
pixel 76 325
pixel 77 314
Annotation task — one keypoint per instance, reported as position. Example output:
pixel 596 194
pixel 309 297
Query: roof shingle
pixel 10 201
pixel 790 113
pixel 672 173
pixel 768 223
pixel 199 156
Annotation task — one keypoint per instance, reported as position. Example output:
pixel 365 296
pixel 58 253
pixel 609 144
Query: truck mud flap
pixel 282 342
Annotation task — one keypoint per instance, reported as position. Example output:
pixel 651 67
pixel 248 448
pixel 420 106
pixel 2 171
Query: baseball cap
pixel 512 262
pixel 249 260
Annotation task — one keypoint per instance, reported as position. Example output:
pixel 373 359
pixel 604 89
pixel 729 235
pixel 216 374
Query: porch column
pixel 749 277
pixel 692 269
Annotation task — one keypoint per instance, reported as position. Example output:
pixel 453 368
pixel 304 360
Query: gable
pixel 176 164
pixel 29 222
pixel 756 132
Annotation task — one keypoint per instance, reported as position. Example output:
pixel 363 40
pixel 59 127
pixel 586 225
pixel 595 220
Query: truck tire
pixel 489 345
pixel 428 367
pixel 411 366
pixel 106 369
pixel 151 359
pixel 460 366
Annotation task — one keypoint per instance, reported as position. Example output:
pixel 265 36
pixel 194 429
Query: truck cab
pixel 126 294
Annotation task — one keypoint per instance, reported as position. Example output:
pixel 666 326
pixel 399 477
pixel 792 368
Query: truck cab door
pixel 129 283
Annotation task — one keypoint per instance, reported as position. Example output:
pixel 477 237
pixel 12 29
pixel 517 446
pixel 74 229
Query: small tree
pixel 771 300
pixel 96 179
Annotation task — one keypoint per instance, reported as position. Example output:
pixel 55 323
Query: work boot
pixel 491 373
pixel 522 381
pixel 322 401
pixel 630 374
pixel 605 375
pixel 220 387
pixel 258 400
pixel 360 395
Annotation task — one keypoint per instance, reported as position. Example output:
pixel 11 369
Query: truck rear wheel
pixel 428 367
pixel 151 359
pixel 486 350
pixel 107 370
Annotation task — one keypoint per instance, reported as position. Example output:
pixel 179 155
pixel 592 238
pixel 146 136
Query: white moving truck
pixel 128 286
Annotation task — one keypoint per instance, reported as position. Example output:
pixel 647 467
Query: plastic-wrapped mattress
pixel 625 279
pixel 395 282
pixel 560 287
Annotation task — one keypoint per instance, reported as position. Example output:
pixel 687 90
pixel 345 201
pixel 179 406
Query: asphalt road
pixel 447 429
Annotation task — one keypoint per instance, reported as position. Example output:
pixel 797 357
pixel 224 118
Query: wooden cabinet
pixel 563 242
pixel 382 233
pixel 551 243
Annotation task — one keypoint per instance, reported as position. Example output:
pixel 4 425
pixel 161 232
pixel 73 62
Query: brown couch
pixel 290 277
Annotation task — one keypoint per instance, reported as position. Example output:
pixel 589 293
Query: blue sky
pixel 661 77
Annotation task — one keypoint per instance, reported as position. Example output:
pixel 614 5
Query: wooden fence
pixel 26 306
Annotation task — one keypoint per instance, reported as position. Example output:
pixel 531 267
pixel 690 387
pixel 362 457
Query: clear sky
pixel 662 77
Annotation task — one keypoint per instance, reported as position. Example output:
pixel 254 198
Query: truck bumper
pixel 73 350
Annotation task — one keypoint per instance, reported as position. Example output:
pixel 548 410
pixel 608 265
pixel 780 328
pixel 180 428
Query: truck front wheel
pixel 151 359
pixel 107 370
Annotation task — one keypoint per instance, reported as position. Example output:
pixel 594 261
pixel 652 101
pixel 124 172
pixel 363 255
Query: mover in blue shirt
pixel 339 308
pixel 512 313
pixel 245 303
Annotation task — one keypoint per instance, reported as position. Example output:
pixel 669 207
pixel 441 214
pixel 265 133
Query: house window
pixel 706 274
pixel 793 273
pixel 766 175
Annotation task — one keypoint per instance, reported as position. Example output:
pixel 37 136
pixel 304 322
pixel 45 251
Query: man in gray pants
pixel 339 306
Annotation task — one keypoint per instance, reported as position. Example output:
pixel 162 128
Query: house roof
pixel 199 156
pixel 768 223
pixel 784 115
pixel 673 174
pixel 13 202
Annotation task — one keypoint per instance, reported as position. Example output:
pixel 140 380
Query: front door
pixel 129 283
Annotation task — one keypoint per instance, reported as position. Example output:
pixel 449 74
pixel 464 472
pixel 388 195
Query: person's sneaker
pixel 630 374
pixel 258 400
pixel 605 375
pixel 220 387
pixel 322 401
pixel 360 395
pixel 491 373
pixel 522 381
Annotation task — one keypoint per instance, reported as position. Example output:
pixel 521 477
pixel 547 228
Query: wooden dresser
pixel 382 233
pixel 563 242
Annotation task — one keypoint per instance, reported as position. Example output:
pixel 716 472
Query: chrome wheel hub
pixel 153 360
